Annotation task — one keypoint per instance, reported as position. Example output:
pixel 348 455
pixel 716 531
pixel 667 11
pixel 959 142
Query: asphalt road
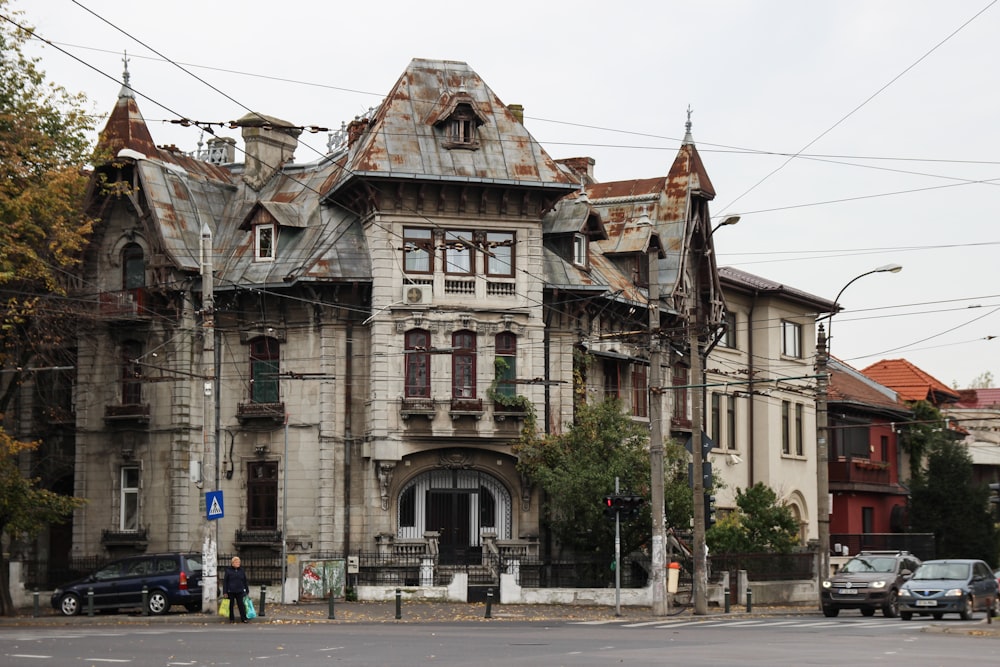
pixel 716 640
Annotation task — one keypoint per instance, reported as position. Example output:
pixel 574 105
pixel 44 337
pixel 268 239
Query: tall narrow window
pixel 786 426
pixel 417 250
pixel 799 431
pixel 133 267
pixel 500 260
pixel 458 251
pixel 717 418
pixel 731 422
pixel 487 508
pixel 265 361
pixel 463 364
pixel 612 379
pixel 640 391
pixel 791 339
pixel 884 448
pixel 265 240
pixel 131 373
pixel 128 519
pixel 680 379
pixel 580 250
pixel 262 495
pixel 505 364
pixel 418 364
pixel 728 338
pixel 462 128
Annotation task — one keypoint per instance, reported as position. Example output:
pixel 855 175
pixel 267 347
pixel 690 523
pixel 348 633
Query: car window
pixel 137 568
pixel 194 563
pixel 869 564
pixel 166 565
pixel 110 571
pixel 957 571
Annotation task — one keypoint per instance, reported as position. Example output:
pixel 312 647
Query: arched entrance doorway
pixel 460 505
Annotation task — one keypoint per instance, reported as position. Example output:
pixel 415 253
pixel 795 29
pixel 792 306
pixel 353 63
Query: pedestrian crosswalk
pixel 887 624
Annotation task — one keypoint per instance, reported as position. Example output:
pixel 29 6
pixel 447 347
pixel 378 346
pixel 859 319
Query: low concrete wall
pixel 456 591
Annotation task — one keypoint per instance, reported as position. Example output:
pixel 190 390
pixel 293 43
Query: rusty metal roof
pixel 404 138
pixel 748 282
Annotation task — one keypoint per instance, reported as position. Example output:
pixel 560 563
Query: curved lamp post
pixel 822 425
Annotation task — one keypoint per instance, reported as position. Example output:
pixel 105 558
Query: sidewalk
pixel 385 612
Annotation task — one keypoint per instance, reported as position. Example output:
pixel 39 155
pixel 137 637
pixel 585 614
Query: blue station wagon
pixel 169 579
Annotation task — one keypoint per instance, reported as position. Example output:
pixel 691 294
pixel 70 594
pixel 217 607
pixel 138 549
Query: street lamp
pixel 696 313
pixel 822 423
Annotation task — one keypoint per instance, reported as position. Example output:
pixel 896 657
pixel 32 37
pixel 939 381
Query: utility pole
pixel 822 456
pixel 210 450
pixel 699 556
pixel 660 607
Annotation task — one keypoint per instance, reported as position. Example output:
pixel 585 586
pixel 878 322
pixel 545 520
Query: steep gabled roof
pixel 912 383
pixel 403 138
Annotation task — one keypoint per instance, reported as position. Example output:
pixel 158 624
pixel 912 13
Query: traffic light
pixel 633 505
pixel 610 511
pixel 995 499
pixel 709 511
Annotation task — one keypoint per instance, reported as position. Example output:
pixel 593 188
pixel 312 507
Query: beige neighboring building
pixel 760 402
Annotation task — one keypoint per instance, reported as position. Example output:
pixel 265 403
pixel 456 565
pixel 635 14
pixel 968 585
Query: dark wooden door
pixel 448 513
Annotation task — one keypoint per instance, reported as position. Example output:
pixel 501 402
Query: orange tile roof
pixel 912 383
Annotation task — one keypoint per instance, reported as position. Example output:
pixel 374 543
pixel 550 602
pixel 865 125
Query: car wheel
pixel 905 615
pixel 69 604
pixel 830 612
pixel 891 608
pixel 868 611
pixel 968 609
pixel 995 607
pixel 158 603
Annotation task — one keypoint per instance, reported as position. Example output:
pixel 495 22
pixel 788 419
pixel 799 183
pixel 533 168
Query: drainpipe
pixel 348 439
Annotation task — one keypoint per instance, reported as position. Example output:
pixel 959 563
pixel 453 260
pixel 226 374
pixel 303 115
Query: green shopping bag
pixel 248 603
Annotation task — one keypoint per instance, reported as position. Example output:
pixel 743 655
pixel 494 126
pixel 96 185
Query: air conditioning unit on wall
pixel 417 295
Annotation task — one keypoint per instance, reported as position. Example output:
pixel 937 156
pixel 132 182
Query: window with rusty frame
pixel 417 381
pixel 131 379
pixel 463 364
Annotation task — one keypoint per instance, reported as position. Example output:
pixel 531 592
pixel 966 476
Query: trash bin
pixel 673 575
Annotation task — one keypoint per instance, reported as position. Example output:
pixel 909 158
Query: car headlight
pixel 826 584
pixel 878 584
pixel 905 593
pixel 954 593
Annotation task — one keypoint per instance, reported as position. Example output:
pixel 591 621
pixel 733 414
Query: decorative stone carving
pixel 384 470
pixel 525 493
pixel 454 459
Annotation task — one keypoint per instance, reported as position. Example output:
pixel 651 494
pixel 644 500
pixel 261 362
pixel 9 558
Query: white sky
pixel 889 102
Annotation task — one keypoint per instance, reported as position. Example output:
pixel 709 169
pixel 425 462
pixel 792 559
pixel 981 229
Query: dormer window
pixel 265 240
pixel 580 250
pixel 460 127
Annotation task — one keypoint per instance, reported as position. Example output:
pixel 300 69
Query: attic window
pixel 580 250
pixel 265 239
pixel 460 128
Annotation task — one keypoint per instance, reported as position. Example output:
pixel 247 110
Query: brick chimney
pixel 583 167
pixel 270 143
pixel 518 111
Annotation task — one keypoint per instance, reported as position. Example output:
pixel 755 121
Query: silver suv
pixel 869 581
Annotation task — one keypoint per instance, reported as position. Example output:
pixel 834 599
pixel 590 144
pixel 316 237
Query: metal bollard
pixel 145 600
pixel 399 609
pixel 749 600
pixel 725 597
pixel 330 614
pixel 36 611
pixel 90 602
pixel 489 603
pixel 263 598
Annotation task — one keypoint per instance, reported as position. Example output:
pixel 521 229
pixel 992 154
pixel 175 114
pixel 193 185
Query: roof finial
pixel 688 139
pixel 126 90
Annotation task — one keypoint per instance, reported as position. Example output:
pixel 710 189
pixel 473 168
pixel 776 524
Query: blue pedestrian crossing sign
pixel 214 507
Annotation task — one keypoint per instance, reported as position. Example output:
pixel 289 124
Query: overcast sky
pixel 890 106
